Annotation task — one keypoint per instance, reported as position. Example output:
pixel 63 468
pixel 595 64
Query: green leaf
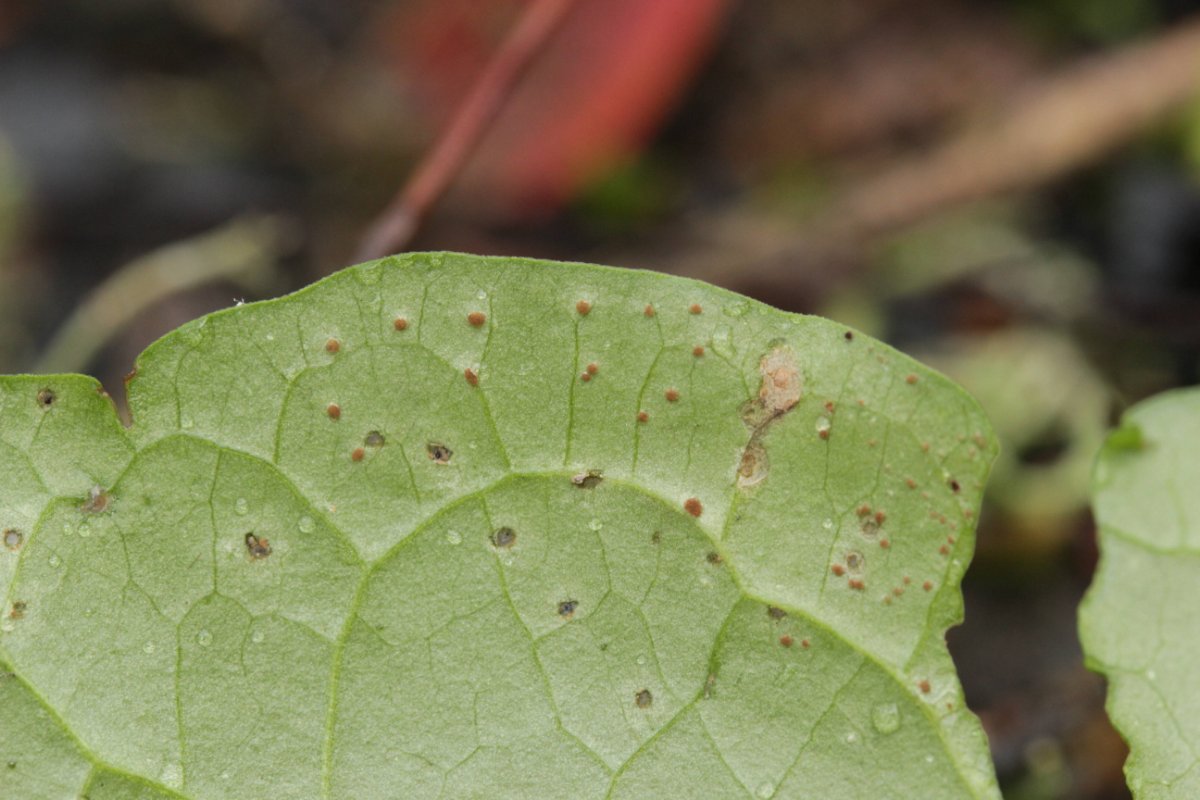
pixel 484 574
pixel 1138 621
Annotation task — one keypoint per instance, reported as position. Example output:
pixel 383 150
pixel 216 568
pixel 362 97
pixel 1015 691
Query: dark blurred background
pixel 1007 189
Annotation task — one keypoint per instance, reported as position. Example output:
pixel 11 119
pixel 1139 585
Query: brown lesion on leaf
pixel 97 501
pixel 13 539
pixel 438 453
pixel 643 699
pixel 257 547
pixel 18 609
pixel 780 390
pixel 588 480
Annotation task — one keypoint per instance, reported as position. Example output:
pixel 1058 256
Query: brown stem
pixel 394 228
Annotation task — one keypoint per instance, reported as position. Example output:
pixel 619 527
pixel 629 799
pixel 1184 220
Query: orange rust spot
pixel 332 346
pixel 471 377
pixel 950 540
pixel 880 517
pixel 698 351
pixel 477 318
pixel 693 507
pixel 872 442
pixel 944 550
pixel 857 583
pixel 642 416
pixel 864 510
pixel 823 433
pixel 785 640
pixel 927 586
pixel 804 643
pixel 829 406
pixel 838 570
pixel 649 310
pixel 400 324
pixel 885 544
pixel 695 308
pixel 907 580
pixel 583 307
pixel 924 686
pixel 357 454
pixel 334 411
pixel 672 395
pixel 910 483
pixel 968 513
pixel 910 379
pixel 898 591
pixel 924 447
pixel 593 368
pixel 585 376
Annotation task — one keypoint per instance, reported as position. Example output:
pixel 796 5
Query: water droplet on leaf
pixel 885 717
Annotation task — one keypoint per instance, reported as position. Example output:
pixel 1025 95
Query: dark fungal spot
pixel 776 613
pixel 588 480
pixel 18 609
pixel 438 453
pixel 566 608
pixel 13 539
pixel 258 548
pixel 503 537
pixel 656 537
pixel 643 699
pixel 714 558
pixel 955 486
pixel 374 439
pixel 848 336
pixel 46 398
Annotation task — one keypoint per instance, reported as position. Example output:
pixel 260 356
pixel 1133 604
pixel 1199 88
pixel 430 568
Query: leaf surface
pixel 450 526
pixel 1137 622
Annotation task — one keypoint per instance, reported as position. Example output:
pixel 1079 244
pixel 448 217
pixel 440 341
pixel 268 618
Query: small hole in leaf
pixel 776 613
pixel 374 439
pixel 257 547
pixel 334 411
pixel 567 608
pixel 438 453
pixel 588 480
pixel 643 699
pixel 13 539
pixel 46 398
pixel 332 346
pixel 97 501
pixel 476 319
pixel 693 506
pixel 504 537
